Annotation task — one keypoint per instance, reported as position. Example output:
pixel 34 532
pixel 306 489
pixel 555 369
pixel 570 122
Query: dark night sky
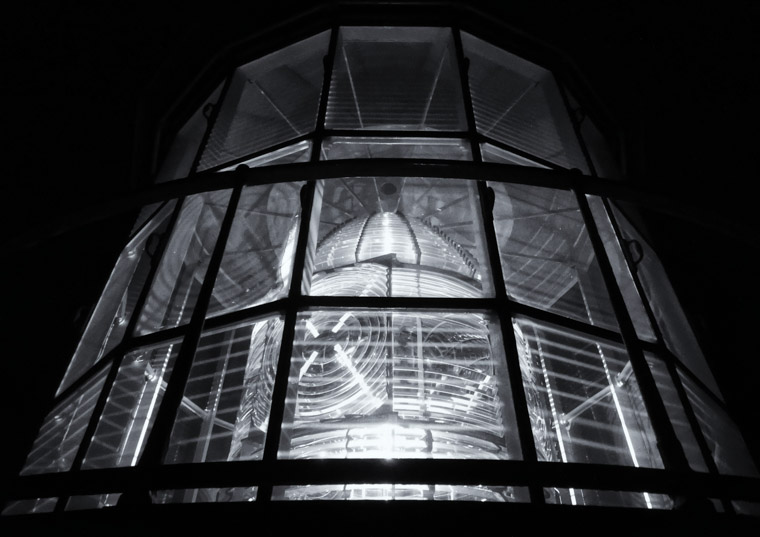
pixel 680 77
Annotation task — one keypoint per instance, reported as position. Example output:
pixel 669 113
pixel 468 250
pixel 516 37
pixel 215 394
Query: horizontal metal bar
pixel 209 181
pixel 409 471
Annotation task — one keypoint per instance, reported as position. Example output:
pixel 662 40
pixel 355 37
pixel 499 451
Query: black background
pixel 680 78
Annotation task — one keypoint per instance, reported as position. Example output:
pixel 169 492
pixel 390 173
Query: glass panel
pixel 584 402
pixel 676 413
pixel 300 152
pixel 225 409
pixel 607 498
pixel 747 508
pixel 546 254
pixel 623 277
pixel 27 507
pixel 723 436
pixel 491 153
pixel 178 281
pixel 258 258
pixel 407 236
pixel 519 104
pixel 63 429
pixel 207 495
pixel 93 501
pixel 131 407
pixel 384 384
pixel 395 78
pixel 665 306
pixel 178 162
pixel 111 316
pixel 475 493
pixel 335 148
pixel 269 101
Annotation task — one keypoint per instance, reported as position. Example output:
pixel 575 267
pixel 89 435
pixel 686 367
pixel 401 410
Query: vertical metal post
pixel 175 388
pixel 670 448
pixel 328 62
pixel 576 128
pixel 211 123
pixel 486 195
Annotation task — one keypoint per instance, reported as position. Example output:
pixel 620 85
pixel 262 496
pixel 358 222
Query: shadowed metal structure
pixel 386 261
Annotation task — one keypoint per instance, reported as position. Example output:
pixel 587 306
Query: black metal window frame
pixel 150 474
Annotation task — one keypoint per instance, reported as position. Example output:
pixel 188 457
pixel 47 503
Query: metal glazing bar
pixel 464 66
pixel 524 429
pixel 576 128
pixel 393 133
pixel 165 415
pixel 280 389
pixel 211 122
pixel 412 471
pixel 670 448
pixel 328 61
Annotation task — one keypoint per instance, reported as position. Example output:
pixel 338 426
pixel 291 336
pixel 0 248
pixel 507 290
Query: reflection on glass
pixel 676 413
pixel 269 101
pixel 395 78
pixel 179 161
pixel 623 276
pixel 518 103
pixel 607 498
pixel 131 407
pixel 583 400
pixel 666 309
pixel 63 429
pixel 546 254
pixel 337 147
pixel 111 316
pixel 491 153
pixel 258 258
pixel 225 409
pixel 464 493
pixel 178 280
pixel 27 507
pixel 408 236
pixel 300 152
pixel 92 501
pixel 723 437
pixel 382 384
pixel 206 495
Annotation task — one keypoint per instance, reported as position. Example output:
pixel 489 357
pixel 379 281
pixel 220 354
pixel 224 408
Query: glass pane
pixel 335 148
pixel 409 236
pixel 623 277
pixel 584 402
pixel 300 152
pixel 269 101
pixel 518 103
pixel 225 409
pixel 179 161
pixel 676 413
pixel 666 308
pixel 607 498
pixel 27 507
pixel 383 384
pixel 114 310
pixel 93 501
pixel 723 437
pixel 63 429
pixel 491 153
pixel 401 492
pixel 178 281
pixel 395 78
pixel 131 407
pixel 207 495
pixel 546 255
pixel 258 258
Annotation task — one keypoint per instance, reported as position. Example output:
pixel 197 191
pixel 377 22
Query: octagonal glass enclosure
pixel 379 253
